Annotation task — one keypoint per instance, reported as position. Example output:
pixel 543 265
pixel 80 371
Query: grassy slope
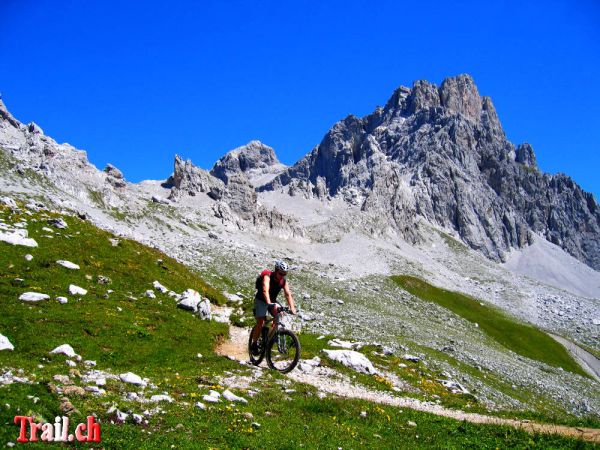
pixel 156 340
pixel 524 339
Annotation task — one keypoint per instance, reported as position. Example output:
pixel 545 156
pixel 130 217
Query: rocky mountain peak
pixel 252 157
pixel 440 154
pixel 460 94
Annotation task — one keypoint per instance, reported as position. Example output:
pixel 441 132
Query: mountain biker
pixel 268 286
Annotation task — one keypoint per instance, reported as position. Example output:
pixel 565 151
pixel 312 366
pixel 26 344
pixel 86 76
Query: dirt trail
pixel 321 378
pixel 586 360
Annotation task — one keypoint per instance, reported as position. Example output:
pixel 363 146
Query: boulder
pixel 132 378
pixel 58 223
pixel 76 290
pixel 161 398
pixel 67 264
pixel 33 297
pixel 204 310
pixel 190 300
pixel 159 287
pixel 64 349
pixel 5 343
pixel 230 396
pixel 17 237
pixel 354 360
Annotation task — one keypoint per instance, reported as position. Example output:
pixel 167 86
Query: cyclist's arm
pixel 289 297
pixel 266 285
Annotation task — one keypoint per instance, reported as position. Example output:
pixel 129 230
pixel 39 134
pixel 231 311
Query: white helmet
pixel 281 266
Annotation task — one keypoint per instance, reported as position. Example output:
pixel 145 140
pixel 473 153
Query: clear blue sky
pixel 134 82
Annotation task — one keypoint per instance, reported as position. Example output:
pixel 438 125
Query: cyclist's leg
pixel 275 321
pixel 260 313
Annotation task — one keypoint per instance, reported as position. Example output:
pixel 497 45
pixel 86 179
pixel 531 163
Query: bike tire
pixel 257 359
pixel 283 360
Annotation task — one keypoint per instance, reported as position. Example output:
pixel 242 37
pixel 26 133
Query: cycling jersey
pixel 274 287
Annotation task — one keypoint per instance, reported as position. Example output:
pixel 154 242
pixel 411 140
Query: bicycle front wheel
pixel 283 351
pixel 255 359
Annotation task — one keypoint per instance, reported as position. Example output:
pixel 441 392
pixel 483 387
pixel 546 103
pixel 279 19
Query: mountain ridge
pixel 441 154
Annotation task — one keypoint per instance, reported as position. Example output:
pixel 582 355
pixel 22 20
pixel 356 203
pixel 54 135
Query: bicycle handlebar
pixel 284 309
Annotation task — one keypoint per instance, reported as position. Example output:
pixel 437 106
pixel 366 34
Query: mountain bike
pixel 281 349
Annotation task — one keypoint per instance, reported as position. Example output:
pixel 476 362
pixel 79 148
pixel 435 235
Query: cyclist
pixel 268 286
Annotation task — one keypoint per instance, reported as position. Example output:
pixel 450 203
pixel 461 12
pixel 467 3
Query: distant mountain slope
pixel 440 153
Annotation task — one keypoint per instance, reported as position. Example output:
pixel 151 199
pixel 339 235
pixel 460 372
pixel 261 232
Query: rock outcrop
pixel 188 179
pixel 252 159
pixel 235 199
pixel 440 154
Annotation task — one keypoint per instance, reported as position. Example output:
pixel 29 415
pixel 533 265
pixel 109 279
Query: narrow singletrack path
pixel 236 347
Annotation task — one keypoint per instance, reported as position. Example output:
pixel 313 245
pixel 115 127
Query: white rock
pixel 48 230
pixel 204 309
pixel 76 290
pixel 596 321
pixel 158 199
pixel 130 377
pixel 354 360
pixel 5 343
pixel 159 287
pixel 95 390
pixel 71 363
pixel 28 257
pixel 340 302
pixel 18 237
pixel 411 423
pixel 200 405
pixel 190 300
pixel 161 398
pixel 33 297
pixel 363 414
pixel 199 355
pixel 138 418
pixel 454 386
pixel 410 357
pixel 121 416
pixel 62 300
pixel 64 349
pixel 232 297
pixel 58 223
pixel 8 202
pixel 228 395
pixel 210 399
pixel 214 393
pixel 308 365
pixel 89 363
pixel 344 344
pixel 67 264
pixel 150 293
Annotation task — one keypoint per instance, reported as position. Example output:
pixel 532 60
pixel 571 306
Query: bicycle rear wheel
pixel 257 359
pixel 283 351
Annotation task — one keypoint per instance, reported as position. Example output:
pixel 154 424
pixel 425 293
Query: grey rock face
pixel 241 196
pixel 252 156
pixel 190 180
pixel 236 200
pixel 114 176
pixel 441 154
